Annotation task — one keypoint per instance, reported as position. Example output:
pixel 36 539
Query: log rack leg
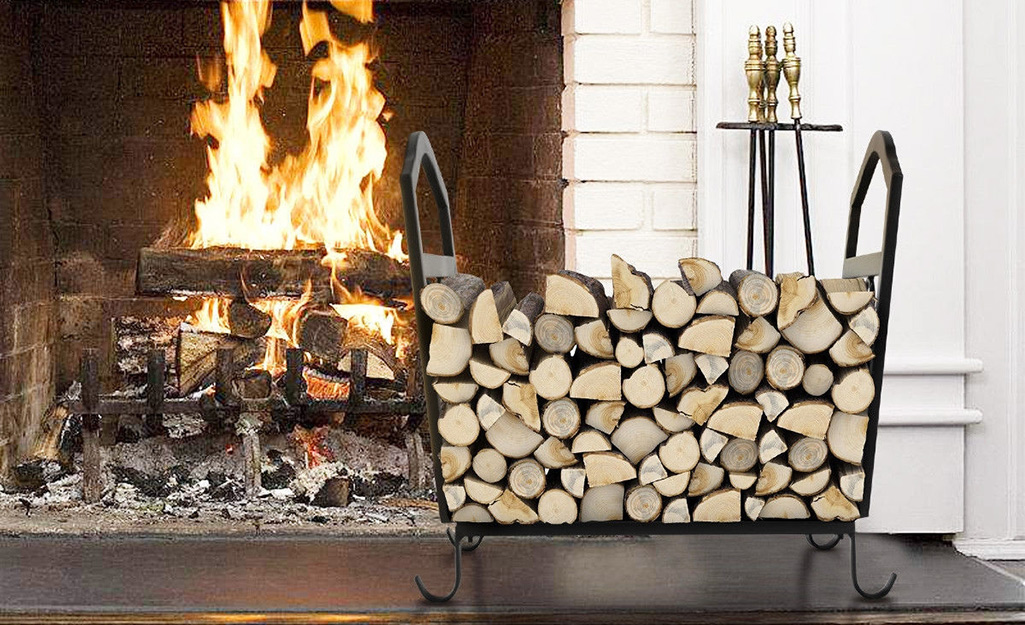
pixel 473 543
pixel 428 595
pixel 824 546
pixel 878 594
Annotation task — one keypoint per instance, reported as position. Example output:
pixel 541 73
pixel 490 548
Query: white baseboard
pixel 991 549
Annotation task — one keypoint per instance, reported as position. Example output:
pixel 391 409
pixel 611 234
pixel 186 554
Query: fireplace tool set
pixel 876 267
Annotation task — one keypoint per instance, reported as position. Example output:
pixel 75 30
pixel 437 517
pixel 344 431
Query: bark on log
pixel 575 295
pixel 700 275
pixel 520 322
pixel 757 294
pixel 447 301
pixel 247 321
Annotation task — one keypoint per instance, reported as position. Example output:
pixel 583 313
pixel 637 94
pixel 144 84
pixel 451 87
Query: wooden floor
pixel 695 579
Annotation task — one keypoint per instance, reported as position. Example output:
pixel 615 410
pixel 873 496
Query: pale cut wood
pixel 722 506
pixel 446 301
pixel 643 504
pixel 509 509
pixel 455 461
pixel 831 505
pixel 604 416
pixel 593 339
pixel 774 477
pixel 196 355
pixel 699 404
pixel 488 313
pixel 797 293
pixel 711 367
pixel 737 418
pixel 521 399
pixel 672 305
pixel 629 351
pixel 527 478
pixel 489 409
pixel 629 320
pixel 554 334
pixel 807 454
pixel 481 491
pixel 603 503
pixel 810 417
pixel 815 329
pixel 850 351
pixel 486 374
pixel 520 322
pixel 680 371
pixel 770 445
pixel 607 467
pixel 490 465
pixel 773 402
pixel 746 372
pixel 849 302
pixel 575 295
pixel 601 381
pixel 455 496
pixel 837 285
pixel 709 335
pixel 458 390
pixel 756 335
pixel 553 454
pixel 459 425
pixel 551 376
pixel 450 351
pixel 854 391
pixel 722 300
pixel 573 480
pixel 676 511
pixel 846 436
pixel 785 506
pixel 739 455
pixel 700 275
pixel 557 507
pixel 657 347
pixel 671 420
pixel 866 325
pixel 674 485
pixel 645 387
pixel 637 437
pixel 561 418
pixel 590 440
pixel 510 355
pixel 651 470
pixel 817 380
pixel 512 437
pixel 472 513
pixel 784 368
pixel 704 479
pixel 630 288
pixel 753 507
pixel 808 484
pixel 711 444
pixel 757 294
pixel 743 480
pixel 852 481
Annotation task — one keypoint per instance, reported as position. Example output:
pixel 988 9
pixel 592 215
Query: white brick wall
pixel 630 153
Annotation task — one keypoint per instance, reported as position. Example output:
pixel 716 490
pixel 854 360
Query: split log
pixel 196 358
pixel 676 511
pixel 643 503
pixel 554 334
pixel 593 339
pixel 700 275
pixel 645 387
pixel 711 444
pixel 651 470
pixel 481 491
pixel 553 454
pixel 784 368
pixel 556 507
pixel 657 347
pixel 589 441
pixel 520 322
pixel 607 467
pixel 575 295
pixel 852 481
pixel 601 381
pixel 846 436
pixel 472 513
pixel 815 329
pixel 527 478
pixel 630 288
pixel 810 484
pixel 850 351
pixel 637 437
pixel 603 503
pixel 551 376
pixel 773 402
pixel 573 480
pixel 722 300
pixel 490 465
pixel 743 480
pixel 629 320
pixel 774 477
pixel 849 302
pixel 680 452
pixel 509 509
pixel 709 335
pixel 520 398
pixel 722 506
pixel 866 325
pixel 489 312
pixel 485 373
pixel 699 404
pixel 489 409
pixel 785 506
pixel 739 455
pixel 817 380
pixel 810 417
pixel 382 361
pixel 604 416
pixel 797 293
pixel 510 355
pixel 737 418
pixel 246 320
pixel 459 390
pixel 629 351
pixel 455 496
pixel 670 420
pixel 770 445
pixel 512 438
pixel 753 507
pixel 831 505
pixel 704 479
pixel 253 384
pixel 807 454
pixel 674 485
pixel 672 305
pixel 756 335
pixel 854 391
pixel 834 285
pixel 746 372
pixel 455 461
pixel 459 425
pixel 450 351
pixel 561 418
pixel 711 367
pixel 757 294
pixel 680 371
pixel 447 301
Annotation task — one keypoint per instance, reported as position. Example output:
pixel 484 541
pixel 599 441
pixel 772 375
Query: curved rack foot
pixel 879 594
pixel 825 546
pixel 472 543
pixel 428 595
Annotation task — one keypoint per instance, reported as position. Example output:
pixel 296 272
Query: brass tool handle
pixel 772 74
pixel 792 70
pixel 754 68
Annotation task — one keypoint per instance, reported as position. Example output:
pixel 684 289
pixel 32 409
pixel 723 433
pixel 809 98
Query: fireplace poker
pixel 792 71
pixel 771 81
pixel 753 69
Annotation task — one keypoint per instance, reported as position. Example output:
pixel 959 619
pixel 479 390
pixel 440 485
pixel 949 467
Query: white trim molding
pixel 991 548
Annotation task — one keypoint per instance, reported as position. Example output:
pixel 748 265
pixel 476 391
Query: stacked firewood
pixel 704 399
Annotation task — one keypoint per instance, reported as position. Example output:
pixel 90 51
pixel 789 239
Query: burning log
pixel 247 321
pixel 321 331
pixel 197 355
